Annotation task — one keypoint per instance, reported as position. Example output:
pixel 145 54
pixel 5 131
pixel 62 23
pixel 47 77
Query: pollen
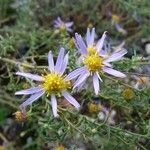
pixel 91 50
pixel 93 62
pixel 55 83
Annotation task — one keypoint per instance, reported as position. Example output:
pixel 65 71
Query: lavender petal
pixel 33 98
pixel 31 76
pixel 29 91
pixel 75 73
pixel 56 22
pixel 107 64
pixel 64 64
pixel 50 62
pixel 69 29
pixel 88 36
pixel 91 42
pixel 60 60
pixel 54 105
pixel 116 56
pixel 71 99
pixel 96 84
pixel 100 43
pixel 68 24
pixel 81 44
pixel 59 19
pixel 99 77
pixel 114 72
pixel 57 26
pixel 81 79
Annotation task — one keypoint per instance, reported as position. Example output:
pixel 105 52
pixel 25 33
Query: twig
pixel 3 137
pixel 117 81
pixel 106 125
pixel 7 60
pixel 137 74
pixel 8 103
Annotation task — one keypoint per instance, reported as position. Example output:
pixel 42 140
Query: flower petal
pixel 29 91
pixel 57 22
pixel 31 76
pixel 71 99
pixel 69 29
pixel 81 79
pixel 81 44
pixel 96 83
pixel 57 26
pixel 33 98
pixel 107 64
pixel 69 24
pixel 59 19
pixel 88 36
pixel 99 76
pixel 50 62
pixel 60 60
pixel 100 43
pixel 103 53
pixel 75 73
pixel 64 64
pixel 81 86
pixel 116 56
pixel 114 72
pixel 91 42
pixel 54 105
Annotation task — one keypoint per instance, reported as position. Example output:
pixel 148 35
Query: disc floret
pixel 55 83
pixel 93 62
pixel 91 50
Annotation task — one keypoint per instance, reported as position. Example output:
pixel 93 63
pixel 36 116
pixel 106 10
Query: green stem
pixel 117 81
pixel 14 62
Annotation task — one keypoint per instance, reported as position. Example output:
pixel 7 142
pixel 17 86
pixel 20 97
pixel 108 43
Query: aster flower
pixel 142 82
pixel 94 60
pixel 51 84
pixel 107 115
pixel 115 20
pixel 59 24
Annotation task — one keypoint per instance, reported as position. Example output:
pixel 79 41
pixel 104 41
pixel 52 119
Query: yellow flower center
pixel 63 27
pixel 115 18
pixel 20 116
pixel 93 62
pixel 91 50
pixel 55 83
pixel 1 147
pixel 128 94
pixel 61 147
pixel 94 108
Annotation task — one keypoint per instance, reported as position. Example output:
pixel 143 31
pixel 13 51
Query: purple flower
pixel 95 60
pixel 51 84
pixel 59 24
pixel 116 22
